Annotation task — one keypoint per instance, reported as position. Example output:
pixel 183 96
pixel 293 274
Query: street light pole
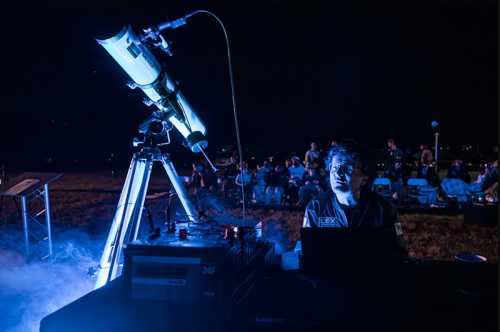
pixel 435 128
pixel 436 150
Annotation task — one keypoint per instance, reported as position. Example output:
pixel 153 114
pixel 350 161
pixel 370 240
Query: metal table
pixel 28 187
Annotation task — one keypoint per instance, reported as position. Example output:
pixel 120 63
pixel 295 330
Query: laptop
pixel 327 251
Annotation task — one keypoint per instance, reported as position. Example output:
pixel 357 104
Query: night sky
pixel 364 70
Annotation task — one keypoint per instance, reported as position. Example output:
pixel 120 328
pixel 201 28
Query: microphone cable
pixel 233 96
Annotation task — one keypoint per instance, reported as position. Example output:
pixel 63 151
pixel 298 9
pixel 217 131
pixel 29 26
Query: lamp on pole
pixel 435 129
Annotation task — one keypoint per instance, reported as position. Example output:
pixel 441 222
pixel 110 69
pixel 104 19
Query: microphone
pixel 175 23
pixel 172 24
pixel 153 33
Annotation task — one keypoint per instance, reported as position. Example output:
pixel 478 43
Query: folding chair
pixel 382 186
pixel 419 192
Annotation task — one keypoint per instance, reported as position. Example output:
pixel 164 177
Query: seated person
pixel 311 187
pixel 296 170
pixel 244 178
pixel 490 183
pixel 483 171
pixel 486 184
pixel 428 172
pixel 457 170
pixel 477 185
pixel 350 203
pixel 455 190
pixel 491 176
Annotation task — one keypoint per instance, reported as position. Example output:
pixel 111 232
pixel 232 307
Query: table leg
pixel 24 214
pixel 47 216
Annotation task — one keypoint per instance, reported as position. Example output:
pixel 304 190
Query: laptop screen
pixel 331 249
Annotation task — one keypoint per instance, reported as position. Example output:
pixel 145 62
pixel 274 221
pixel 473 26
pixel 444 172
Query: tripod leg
pixel 119 224
pixel 179 188
pixel 104 264
pixel 132 209
pixel 141 197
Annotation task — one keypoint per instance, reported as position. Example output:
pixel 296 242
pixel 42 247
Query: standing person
pixel 295 173
pixel 396 175
pixel 231 168
pixel 425 167
pixel 197 182
pixel 395 166
pixel 209 177
pixel 230 173
pixel 259 189
pixel 426 157
pixel 244 178
pixel 393 153
pixel 312 157
pixel 276 182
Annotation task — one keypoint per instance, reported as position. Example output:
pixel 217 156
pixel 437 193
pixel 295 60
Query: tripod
pixel 127 219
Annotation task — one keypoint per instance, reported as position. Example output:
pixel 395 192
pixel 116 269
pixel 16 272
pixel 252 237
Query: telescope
pixel 131 52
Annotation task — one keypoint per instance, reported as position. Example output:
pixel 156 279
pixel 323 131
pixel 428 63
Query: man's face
pixel 346 175
pixel 314 146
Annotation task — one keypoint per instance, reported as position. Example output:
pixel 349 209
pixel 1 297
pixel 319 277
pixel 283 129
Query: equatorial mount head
pixel 153 132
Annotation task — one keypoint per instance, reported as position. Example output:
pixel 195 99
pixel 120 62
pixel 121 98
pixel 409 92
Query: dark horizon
pixel 361 70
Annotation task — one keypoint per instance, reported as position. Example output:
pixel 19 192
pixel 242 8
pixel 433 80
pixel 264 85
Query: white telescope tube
pixel 143 68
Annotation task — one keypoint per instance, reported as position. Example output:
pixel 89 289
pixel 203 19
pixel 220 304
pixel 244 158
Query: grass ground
pixel 86 201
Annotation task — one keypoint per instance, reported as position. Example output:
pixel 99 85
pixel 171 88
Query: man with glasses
pixel 349 202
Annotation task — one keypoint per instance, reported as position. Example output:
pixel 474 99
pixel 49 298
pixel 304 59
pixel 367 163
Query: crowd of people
pixel 455 184
pixel 295 181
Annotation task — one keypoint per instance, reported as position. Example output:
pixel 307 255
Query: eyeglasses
pixel 343 168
